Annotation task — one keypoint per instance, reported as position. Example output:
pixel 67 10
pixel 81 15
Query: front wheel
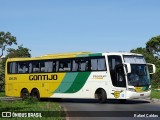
pixel 102 96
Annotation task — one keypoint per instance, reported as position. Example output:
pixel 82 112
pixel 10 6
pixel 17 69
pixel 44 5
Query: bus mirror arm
pixel 153 67
pixel 128 67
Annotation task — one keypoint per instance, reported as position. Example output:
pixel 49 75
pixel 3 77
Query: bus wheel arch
pixel 35 93
pixel 24 93
pixel 101 95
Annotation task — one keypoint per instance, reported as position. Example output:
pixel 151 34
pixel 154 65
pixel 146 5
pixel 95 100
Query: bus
pixel 81 75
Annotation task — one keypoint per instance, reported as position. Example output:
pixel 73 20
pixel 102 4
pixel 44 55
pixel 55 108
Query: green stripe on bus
pixel 96 54
pixel 78 82
pixel 66 82
pixel 82 55
pixel 89 55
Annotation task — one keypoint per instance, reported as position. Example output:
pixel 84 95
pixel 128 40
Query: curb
pixel 155 100
pixel 10 98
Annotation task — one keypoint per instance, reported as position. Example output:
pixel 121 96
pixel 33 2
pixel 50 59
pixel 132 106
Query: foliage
pixel 155 94
pixel 31 100
pixel 12 53
pixel 2 94
pixel 20 52
pixel 6 39
pixel 153 45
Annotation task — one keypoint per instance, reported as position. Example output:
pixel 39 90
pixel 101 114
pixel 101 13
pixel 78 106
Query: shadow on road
pixel 136 101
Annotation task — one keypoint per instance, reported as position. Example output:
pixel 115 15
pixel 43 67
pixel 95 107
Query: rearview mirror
pixel 153 68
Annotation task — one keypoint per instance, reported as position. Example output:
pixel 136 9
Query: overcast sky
pixel 56 26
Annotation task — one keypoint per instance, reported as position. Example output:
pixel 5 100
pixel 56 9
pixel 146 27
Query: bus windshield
pixel 139 75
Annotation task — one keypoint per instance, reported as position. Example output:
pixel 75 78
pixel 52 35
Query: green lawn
pixel 2 94
pixel 48 110
pixel 155 94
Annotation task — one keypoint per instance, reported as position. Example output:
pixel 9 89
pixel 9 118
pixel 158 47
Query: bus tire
pixel 35 93
pixel 24 93
pixel 101 94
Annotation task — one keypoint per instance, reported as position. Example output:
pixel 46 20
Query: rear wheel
pixel 101 94
pixel 24 94
pixel 35 94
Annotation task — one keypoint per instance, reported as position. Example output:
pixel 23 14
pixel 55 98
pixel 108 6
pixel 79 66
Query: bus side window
pixel 65 65
pixel 54 67
pixel 57 66
pixel 12 67
pixel 36 67
pixel 22 67
pixel 46 66
pixel 83 65
pixel 61 67
pixel 49 66
pixel 74 65
pixel 43 67
pixel 101 64
pixel 98 64
pixel 30 68
pixel 94 64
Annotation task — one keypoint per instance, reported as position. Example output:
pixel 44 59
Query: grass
pixel 2 94
pixel 155 94
pixel 49 110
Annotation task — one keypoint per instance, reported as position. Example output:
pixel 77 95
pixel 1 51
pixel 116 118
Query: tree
pixel 153 45
pixel 12 53
pixel 21 52
pixel 6 39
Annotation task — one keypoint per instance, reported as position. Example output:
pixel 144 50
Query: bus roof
pixel 71 55
pixel 123 53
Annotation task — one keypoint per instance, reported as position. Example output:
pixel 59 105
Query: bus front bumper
pixel 135 95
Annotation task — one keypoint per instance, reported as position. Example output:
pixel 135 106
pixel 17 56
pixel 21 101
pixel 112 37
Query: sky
pixel 58 26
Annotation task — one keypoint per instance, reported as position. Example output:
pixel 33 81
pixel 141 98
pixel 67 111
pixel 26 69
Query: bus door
pixel 117 74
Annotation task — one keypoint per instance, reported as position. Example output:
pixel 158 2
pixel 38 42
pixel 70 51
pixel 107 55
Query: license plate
pixel 141 94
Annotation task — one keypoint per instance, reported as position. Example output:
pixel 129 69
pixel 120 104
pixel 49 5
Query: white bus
pixel 80 75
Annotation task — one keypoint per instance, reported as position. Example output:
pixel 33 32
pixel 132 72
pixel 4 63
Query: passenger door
pixel 117 74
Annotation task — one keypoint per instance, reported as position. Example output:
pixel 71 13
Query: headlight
pixel 131 89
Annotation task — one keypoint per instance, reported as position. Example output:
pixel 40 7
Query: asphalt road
pixel 79 109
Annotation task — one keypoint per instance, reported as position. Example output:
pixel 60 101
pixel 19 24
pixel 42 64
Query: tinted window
pixel 47 66
pixel 12 67
pixel 98 64
pixel 23 67
pixel 60 65
pixel 64 65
